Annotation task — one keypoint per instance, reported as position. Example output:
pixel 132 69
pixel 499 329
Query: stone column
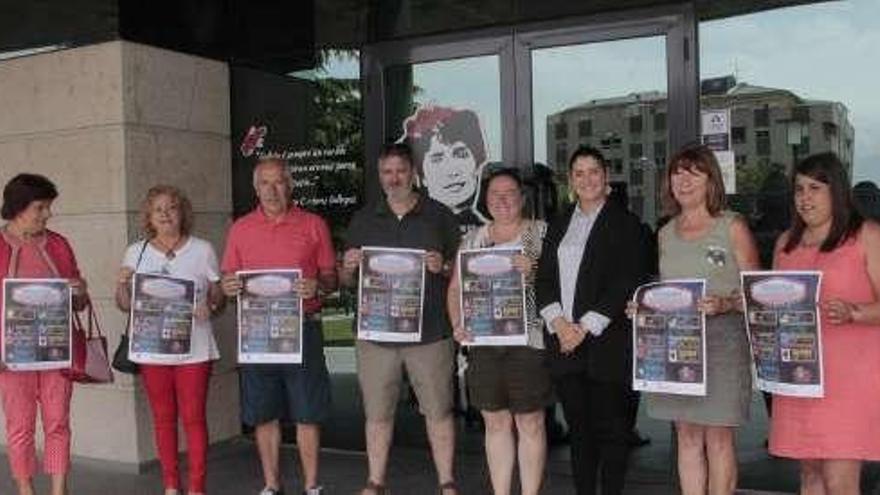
pixel 105 122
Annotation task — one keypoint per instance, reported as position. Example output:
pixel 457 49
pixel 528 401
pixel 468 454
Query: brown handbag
pixel 89 361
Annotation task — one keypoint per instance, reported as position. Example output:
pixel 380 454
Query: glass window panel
pixel 585 128
pixel 659 122
pixel 454 129
pixel 762 143
pixel 613 92
pixel 635 151
pixel 794 100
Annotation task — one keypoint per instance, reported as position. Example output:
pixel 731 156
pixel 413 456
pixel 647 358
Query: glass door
pixel 449 111
pixel 528 95
pixel 612 86
pixel 452 102
pixel 525 96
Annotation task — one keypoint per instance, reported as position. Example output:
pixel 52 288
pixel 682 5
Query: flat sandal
pixel 449 485
pixel 375 488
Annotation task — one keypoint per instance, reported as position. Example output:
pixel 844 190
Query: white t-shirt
pixel 196 261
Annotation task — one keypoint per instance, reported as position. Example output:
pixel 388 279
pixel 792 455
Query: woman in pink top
pixel 29 250
pixel 831 436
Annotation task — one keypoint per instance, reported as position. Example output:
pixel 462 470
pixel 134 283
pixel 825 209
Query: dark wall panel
pixel 269 112
pixel 37 23
pixel 271 35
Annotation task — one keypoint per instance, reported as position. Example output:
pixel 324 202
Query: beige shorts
pixel 429 367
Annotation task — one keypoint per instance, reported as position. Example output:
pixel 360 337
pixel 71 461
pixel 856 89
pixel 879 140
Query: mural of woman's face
pixel 450 172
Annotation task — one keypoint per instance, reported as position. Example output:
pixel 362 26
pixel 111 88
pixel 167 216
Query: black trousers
pixel 596 413
pixel 633 398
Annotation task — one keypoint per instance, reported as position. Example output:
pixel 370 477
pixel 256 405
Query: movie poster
pixel 392 284
pixel 36 324
pixel 492 300
pixel 161 318
pixel 270 317
pixel 784 331
pixel 669 338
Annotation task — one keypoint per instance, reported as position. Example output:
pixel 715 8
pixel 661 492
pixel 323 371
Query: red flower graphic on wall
pixel 253 140
pixel 427 120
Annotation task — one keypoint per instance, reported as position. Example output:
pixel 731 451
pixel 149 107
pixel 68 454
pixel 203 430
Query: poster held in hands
pixel 36 323
pixel 785 332
pixel 492 297
pixel 162 313
pixel 270 314
pixel 669 338
pixel 391 294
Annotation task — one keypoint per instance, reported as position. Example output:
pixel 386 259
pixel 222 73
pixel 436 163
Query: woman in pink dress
pixel 831 436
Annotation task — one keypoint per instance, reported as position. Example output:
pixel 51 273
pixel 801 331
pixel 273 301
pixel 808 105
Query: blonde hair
pixel 176 195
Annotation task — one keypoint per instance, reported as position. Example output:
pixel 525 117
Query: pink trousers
pixel 23 393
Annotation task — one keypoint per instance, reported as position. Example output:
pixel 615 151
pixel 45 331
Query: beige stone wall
pixel 106 122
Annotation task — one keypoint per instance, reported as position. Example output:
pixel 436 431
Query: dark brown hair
pixel 449 125
pixel 695 158
pixel 399 150
pixel 176 195
pixel 845 218
pixel 584 151
pixel 24 189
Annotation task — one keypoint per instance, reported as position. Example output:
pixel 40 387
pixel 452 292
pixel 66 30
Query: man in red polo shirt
pixel 279 235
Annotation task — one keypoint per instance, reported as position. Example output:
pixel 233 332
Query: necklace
pixel 169 251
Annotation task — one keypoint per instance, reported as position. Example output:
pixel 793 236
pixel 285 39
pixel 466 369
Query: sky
pixel 825 51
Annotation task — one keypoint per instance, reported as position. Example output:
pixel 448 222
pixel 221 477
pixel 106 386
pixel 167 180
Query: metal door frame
pixel 513 45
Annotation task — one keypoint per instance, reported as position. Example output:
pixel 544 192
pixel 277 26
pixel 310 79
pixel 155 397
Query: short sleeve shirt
pixel 298 240
pixel 430 226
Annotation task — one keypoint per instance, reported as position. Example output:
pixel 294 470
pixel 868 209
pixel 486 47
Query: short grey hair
pixel 285 169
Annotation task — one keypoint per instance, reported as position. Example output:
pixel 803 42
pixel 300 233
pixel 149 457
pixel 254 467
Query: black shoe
pixel 556 434
pixel 636 440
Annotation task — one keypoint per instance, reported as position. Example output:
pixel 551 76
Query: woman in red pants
pixel 177 386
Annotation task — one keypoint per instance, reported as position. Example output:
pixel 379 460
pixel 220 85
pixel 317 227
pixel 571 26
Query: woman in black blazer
pixel 592 261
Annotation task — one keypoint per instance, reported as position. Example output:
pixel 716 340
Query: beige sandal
pixel 373 488
pixel 449 485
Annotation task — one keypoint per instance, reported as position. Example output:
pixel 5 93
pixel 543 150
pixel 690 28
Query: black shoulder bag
pixel 121 362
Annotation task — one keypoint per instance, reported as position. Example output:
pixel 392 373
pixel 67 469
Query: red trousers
pixel 179 390
pixel 22 392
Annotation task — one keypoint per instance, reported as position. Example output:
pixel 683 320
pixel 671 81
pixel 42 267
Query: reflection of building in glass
pixel 769 126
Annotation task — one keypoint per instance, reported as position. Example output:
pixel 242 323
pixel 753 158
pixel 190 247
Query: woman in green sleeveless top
pixel 702 240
